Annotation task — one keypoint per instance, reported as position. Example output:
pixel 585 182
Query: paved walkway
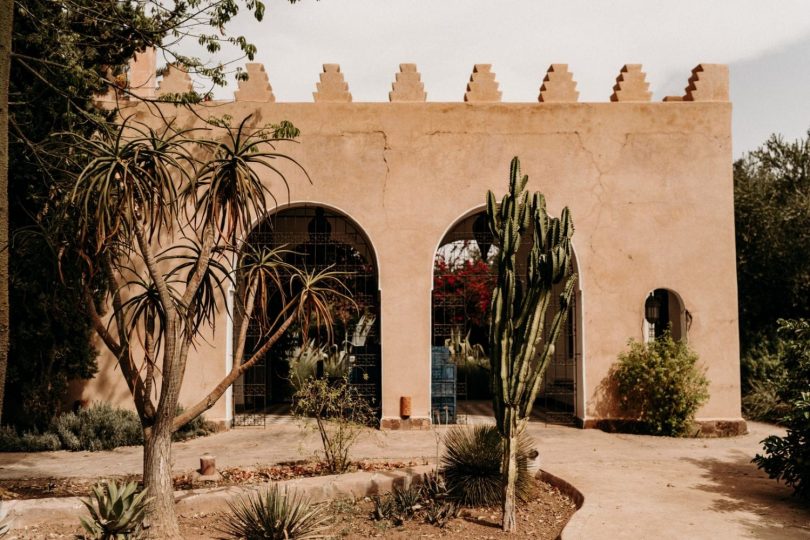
pixel 634 486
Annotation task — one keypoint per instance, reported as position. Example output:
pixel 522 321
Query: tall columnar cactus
pixel 519 349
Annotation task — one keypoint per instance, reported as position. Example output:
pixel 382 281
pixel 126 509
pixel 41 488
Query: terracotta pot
pixel 405 406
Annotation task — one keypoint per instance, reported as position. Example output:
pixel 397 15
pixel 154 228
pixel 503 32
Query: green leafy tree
pixel 56 58
pixel 788 458
pixel 772 218
pixel 520 350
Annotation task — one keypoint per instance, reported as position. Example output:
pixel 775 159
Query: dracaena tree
pixel 160 214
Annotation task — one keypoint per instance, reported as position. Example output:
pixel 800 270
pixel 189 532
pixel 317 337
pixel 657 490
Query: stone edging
pixel 67 510
pixel 566 489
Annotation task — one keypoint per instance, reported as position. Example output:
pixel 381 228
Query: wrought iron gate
pixel 460 309
pixel 556 402
pixel 317 239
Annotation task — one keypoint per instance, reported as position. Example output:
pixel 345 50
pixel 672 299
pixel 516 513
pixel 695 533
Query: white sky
pixel 766 44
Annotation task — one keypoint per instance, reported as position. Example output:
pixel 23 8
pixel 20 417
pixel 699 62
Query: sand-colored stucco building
pixel 649 185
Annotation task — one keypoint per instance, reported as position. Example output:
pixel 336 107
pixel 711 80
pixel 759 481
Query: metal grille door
pixel 317 239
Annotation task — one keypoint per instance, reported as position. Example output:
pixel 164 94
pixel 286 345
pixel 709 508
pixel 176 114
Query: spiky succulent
pixel 276 515
pixel 116 511
pixel 471 465
pixel 5 522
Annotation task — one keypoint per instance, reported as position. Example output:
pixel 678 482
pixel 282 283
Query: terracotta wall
pixel 649 186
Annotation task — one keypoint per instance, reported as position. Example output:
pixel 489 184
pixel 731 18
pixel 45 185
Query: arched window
pixel 664 309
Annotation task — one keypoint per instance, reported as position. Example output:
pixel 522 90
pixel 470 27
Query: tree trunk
pixel 6 27
pixel 157 479
pixel 510 472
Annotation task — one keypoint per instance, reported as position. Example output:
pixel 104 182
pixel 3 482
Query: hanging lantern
pixel 652 309
pixel 482 235
pixel 319 227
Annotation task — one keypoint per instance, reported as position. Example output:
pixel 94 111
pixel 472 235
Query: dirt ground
pixel 541 518
pixel 635 486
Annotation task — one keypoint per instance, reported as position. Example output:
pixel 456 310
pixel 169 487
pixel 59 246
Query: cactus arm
pixel 548 350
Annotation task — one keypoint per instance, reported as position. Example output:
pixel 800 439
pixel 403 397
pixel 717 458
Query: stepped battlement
pixel 707 82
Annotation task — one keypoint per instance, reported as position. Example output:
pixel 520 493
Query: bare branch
pixel 99 326
pixel 208 401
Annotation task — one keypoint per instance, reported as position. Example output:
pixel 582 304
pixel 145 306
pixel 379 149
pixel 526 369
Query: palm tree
pixel 138 186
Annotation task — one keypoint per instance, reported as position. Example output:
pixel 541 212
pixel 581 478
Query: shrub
pixel 471 465
pixel 788 458
pixel 116 511
pixel 198 427
pixel 275 515
pixel 340 414
pixel 11 441
pixel 100 427
pixel 660 385
pixel 763 377
pixel 763 401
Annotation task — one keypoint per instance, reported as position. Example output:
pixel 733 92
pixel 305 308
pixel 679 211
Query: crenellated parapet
pixel 707 83
pixel 408 85
pixel 631 85
pixel 332 86
pixel 482 86
pixel 558 85
pixel 256 87
pixel 175 81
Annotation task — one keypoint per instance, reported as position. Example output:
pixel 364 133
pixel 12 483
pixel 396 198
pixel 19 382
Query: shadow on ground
pixel 764 507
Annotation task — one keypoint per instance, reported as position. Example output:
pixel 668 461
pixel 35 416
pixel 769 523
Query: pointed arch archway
pixel 463 278
pixel 316 237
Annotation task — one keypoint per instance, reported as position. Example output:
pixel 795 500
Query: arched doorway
pixel 316 238
pixel 463 278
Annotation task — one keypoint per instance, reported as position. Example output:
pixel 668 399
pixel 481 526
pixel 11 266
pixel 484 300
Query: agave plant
pixel 471 465
pixel 440 514
pixel 304 362
pixel 463 352
pixel 5 522
pixel 434 487
pixel 408 500
pixel 337 362
pixel 362 330
pixel 384 507
pixel 116 511
pixel 276 515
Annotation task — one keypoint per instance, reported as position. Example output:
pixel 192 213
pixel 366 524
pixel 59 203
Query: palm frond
pixel 228 190
pixel 211 292
pixel 131 177
pixel 317 291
